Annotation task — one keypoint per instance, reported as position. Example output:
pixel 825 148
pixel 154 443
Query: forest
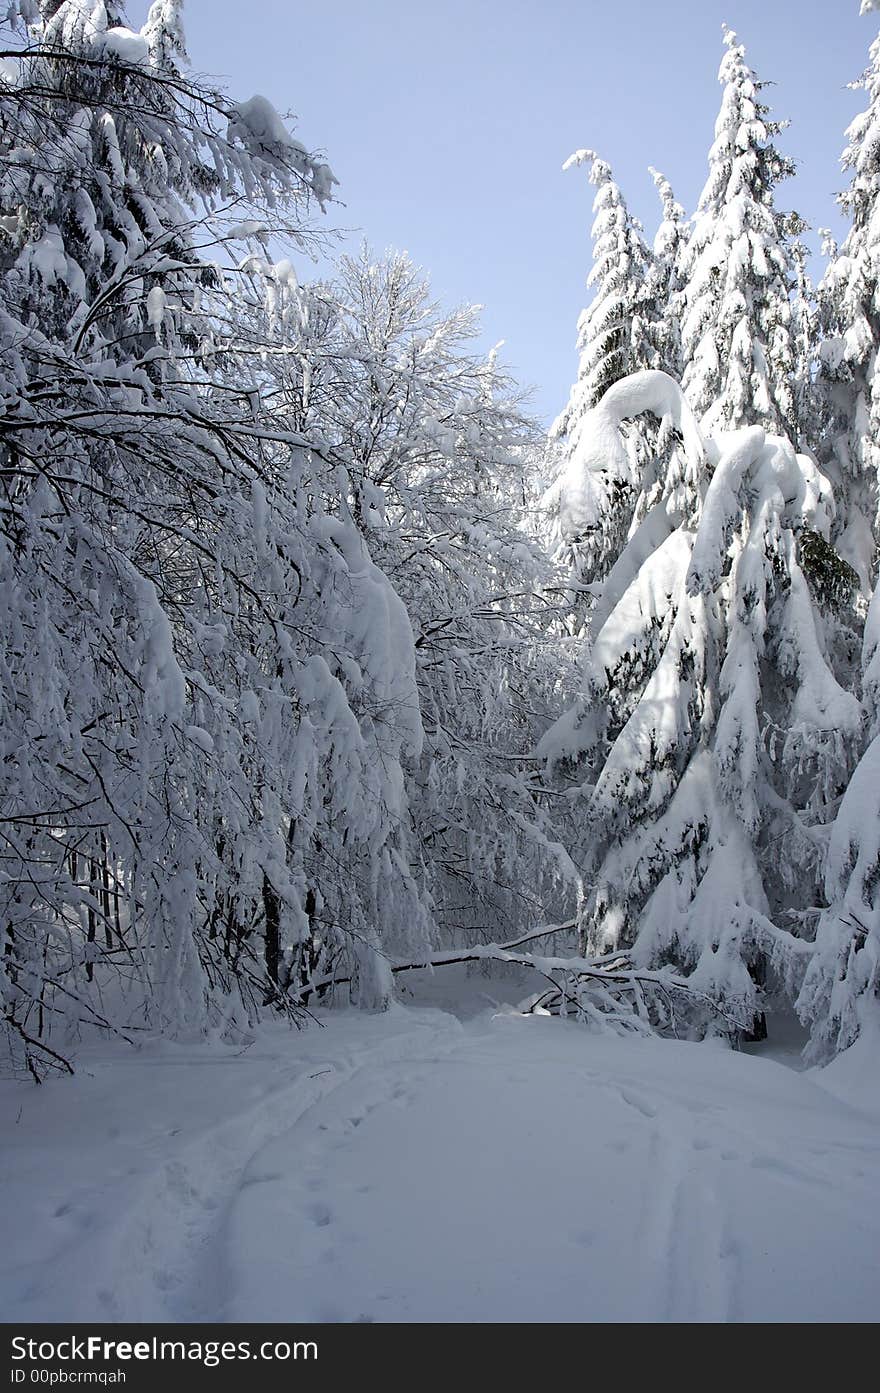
pixel 325 671
pixel 319 660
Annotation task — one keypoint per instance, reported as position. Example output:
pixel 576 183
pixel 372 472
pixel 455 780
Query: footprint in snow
pixel 635 1100
pixel 259 1178
pixel 320 1215
pixel 585 1238
pixel 775 1164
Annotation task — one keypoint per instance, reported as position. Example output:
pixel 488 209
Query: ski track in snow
pixel 408 1167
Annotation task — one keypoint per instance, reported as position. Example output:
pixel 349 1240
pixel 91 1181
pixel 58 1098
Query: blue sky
pixel 447 125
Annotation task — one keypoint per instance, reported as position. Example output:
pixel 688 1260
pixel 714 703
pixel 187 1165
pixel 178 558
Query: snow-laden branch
pixel 603 989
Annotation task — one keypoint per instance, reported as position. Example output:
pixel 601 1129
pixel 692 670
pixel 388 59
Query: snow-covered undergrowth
pixel 410 1166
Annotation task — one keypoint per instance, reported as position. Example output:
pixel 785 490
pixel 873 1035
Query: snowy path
pixel 409 1167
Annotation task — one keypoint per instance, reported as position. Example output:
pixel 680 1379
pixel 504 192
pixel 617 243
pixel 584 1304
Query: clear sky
pixel 447 124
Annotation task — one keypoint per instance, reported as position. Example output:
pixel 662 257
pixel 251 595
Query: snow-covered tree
pixel 736 333
pixel 433 447
pixel 842 985
pixel 808 415
pixel 849 308
pixel 711 730
pixel 200 661
pixel 666 279
pixel 632 324
pixel 613 331
pixel 841 990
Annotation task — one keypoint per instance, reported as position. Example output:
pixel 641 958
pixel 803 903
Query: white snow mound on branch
pixel 261 130
pixel 126 45
pixel 260 119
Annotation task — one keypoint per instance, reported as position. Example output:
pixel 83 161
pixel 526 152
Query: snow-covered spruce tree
pixel 171 587
pixel 666 280
pixel 842 985
pixel 736 333
pixel 616 336
pixel 711 731
pixel 849 315
pixel 432 445
pixel 807 414
pixel 840 993
pixel 613 331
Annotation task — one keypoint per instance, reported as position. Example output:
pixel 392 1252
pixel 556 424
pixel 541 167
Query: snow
pixel 651 532
pixel 201 738
pixel 272 676
pixel 871 654
pixel 125 45
pixel 257 119
pixel 598 452
pixel 409 1166
pixel 580 157
pixel 249 228
pixel 156 307
pixel 47 256
pixel 648 604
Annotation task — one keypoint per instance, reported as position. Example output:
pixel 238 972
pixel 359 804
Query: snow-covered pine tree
pixel 849 315
pixel 666 279
pixel 807 411
pixel 736 333
pixel 616 336
pixel 703 728
pixel 839 998
pixel 613 331
pixel 842 985
pixel 711 730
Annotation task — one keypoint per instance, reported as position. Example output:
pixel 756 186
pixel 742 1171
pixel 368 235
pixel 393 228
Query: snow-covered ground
pixel 415 1166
